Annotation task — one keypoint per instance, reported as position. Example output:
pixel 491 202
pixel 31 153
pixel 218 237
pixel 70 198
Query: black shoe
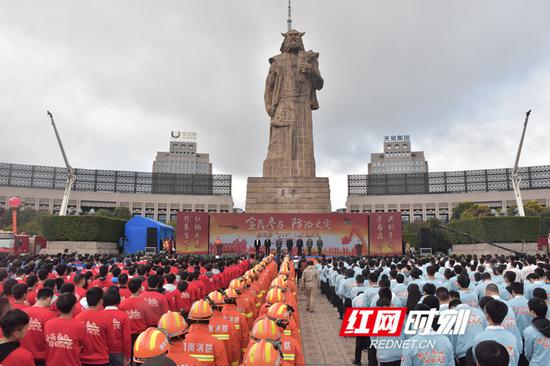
pixel 355 363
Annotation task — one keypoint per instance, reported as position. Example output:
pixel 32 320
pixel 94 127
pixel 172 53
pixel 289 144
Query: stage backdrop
pixel 385 233
pixel 342 234
pixel 192 232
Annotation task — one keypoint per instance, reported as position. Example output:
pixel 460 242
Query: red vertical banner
pixel 192 232
pixel 385 233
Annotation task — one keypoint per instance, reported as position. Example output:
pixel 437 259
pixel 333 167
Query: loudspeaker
pixel 426 238
pixel 151 239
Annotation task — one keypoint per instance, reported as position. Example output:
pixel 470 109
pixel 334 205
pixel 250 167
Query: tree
pixel 104 212
pixel 122 213
pixel 29 220
pixel 469 210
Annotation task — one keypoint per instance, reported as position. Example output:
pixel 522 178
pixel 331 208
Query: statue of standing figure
pixel 290 96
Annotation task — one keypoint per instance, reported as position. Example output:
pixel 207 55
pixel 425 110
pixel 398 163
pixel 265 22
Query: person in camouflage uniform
pixel 309 280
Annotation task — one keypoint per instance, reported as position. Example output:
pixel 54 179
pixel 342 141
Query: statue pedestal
pixel 287 195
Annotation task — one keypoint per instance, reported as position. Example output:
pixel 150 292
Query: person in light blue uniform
pixel 423 353
pixel 400 289
pixel 345 288
pixel 476 324
pixel 387 356
pixel 495 312
pixel 509 322
pixel 467 296
pixel 372 289
pixel 480 287
pixel 360 286
pixel 541 294
pixel 509 277
pixel 537 335
pixel 415 277
pixel 519 305
pixel 491 353
pixel 533 281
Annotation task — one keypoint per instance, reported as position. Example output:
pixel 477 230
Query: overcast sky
pixel 456 76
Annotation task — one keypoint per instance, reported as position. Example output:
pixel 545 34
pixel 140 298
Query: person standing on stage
pixel 309 245
pixel 267 244
pixel 289 245
pixel 257 245
pixel 300 246
pixel 279 246
pixel 319 246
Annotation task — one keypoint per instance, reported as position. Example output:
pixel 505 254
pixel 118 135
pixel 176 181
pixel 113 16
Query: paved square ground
pixel 321 342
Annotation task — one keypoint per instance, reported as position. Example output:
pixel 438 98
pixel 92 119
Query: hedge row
pixel 497 229
pixel 83 228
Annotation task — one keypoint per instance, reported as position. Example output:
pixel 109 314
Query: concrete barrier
pixel 80 247
pixel 483 248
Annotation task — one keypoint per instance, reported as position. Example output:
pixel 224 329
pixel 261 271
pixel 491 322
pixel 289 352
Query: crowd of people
pixel 229 311
pixel 74 310
pixel 507 298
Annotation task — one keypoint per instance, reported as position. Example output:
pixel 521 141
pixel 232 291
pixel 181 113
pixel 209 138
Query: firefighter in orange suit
pixel 224 329
pixel 231 313
pixel 264 329
pixel 175 327
pixel 149 344
pixel 263 353
pixel 290 346
pixel 273 296
pixel 243 303
pixel 199 342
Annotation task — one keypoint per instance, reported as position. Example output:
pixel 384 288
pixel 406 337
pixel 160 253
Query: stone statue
pixel 290 96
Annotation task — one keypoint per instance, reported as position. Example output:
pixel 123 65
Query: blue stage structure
pixel 142 233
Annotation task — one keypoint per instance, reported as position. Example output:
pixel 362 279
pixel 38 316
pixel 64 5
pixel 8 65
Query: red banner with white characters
pixel 192 232
pixel 385 233
pixel 340 233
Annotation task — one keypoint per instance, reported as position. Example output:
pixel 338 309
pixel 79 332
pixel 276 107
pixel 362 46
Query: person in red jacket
pixel 118 329
pixel 35 340
pixel 172 292
pixel 80 284
pixel 65 336
pixel 137 309
pixel 123 289
pixel 156 300
pixel 14 326
pixel 19 292
pixel 183 301
pixel 32 282
pixel 97 352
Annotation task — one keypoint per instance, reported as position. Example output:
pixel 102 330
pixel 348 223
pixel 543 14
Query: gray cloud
pixel 119 76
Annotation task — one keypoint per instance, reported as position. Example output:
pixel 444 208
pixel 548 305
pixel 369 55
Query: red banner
pixel 385 233
pixel 340 233
pixel 192 232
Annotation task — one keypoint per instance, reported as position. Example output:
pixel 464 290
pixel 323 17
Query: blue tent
pixel 138 229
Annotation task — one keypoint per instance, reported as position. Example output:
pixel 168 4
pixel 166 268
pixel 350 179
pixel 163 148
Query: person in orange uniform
pixel 264 329
pixel 231 313
pixel 244 306
pixel 290 298
pixel 223 329
pixel 151 343
pixel 175 327
pixel 199 342
pixel 263 353
pixel 273 296
pixel 290 346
